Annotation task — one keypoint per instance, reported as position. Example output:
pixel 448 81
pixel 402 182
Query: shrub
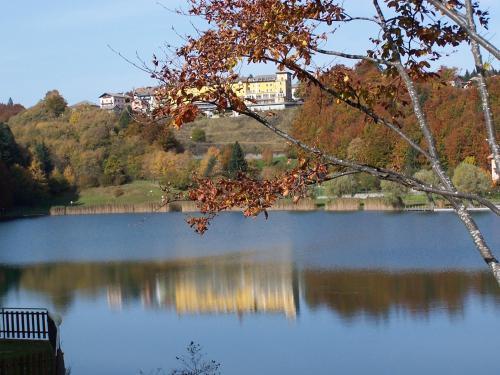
pixel 118 192
pixel 471 179
pixel 198 135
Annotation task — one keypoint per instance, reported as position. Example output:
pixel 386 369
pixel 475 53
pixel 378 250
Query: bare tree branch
pixel 382 173
pixel 352 56
pixel 483 90
pixel 367 111
pixel 461 20
pixel 458 205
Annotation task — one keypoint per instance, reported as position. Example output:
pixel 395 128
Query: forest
pixel 52 149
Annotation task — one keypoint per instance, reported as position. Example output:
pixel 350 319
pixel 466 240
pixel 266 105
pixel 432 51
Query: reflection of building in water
pixel 115 297
pixel 229 288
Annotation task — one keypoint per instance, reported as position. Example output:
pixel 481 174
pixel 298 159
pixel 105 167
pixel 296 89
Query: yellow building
pixel 266 89
pixel 263 92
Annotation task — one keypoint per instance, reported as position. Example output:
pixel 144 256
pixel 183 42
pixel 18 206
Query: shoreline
pixel 307 205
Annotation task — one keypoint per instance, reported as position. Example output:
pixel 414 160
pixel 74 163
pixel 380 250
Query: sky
pixel 63 44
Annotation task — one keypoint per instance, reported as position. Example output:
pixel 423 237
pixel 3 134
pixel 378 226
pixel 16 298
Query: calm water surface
pixel 322 293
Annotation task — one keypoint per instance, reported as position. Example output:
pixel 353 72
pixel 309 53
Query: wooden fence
pixel 24 324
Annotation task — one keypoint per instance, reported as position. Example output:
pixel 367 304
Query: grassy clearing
pixel 136 192
pixel 415 199
pixel 227 130
pixel 133 193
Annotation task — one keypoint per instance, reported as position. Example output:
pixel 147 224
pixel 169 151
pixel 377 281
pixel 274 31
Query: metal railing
pixel 24 324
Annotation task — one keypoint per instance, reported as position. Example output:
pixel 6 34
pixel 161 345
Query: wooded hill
pixel 454 115
pixel 51 148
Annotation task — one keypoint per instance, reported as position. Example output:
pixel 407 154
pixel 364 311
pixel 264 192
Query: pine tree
pixel 10 152
pixel 237 163
pixel 42 154
pixel 10 102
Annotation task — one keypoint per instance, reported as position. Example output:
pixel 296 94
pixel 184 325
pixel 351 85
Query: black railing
pixel 24 324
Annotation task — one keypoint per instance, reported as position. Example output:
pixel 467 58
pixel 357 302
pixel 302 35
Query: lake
pixel 300 293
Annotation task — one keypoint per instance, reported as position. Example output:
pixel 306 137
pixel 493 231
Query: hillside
pixel 84 147
pixel 453 113
pixel 249 133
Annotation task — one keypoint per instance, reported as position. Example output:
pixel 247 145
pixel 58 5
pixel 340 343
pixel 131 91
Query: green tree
pixel 343 185
pixel 198 135
pixel 471 179
pixel 55 103
pixel 467 75
pixel 237 163
pixel 26 191
pixel 168 142
pixel 6 188
pixel 212 162
pixel 57 182
pixel 10 103
pixel 9 149
pixel 42 154
pixel 114 171
pixel 393 192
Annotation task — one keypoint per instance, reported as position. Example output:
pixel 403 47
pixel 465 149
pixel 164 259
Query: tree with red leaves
pixel 408 36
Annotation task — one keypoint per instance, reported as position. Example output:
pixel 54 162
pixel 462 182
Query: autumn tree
pixel 9 110
pixel 208 164
pixel 406 37
pixel 55 103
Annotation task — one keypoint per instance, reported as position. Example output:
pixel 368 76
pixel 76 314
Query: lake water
pixel 301 293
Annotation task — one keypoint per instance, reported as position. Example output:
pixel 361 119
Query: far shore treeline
pixel 52 150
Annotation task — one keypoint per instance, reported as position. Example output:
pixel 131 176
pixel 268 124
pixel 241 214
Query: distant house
pixel 457 82
pixel 114 102
pixel 494 173
pixel 471 82
pixel 144 99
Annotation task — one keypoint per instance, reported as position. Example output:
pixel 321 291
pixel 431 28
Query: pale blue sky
pixel 62 44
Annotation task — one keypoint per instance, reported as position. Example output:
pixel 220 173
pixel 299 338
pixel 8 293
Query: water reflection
pixel 239 286
pixel 377 294
pixel 190 287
